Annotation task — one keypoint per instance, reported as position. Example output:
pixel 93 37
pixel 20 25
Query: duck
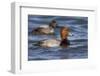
pixel 63 42
pixel 45 29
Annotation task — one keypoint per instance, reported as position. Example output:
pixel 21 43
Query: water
pixel 78 48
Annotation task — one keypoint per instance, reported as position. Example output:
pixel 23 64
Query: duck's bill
pixel 70 34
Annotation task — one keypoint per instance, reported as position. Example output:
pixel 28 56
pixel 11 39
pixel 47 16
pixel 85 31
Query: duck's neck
pixel 51 26
pixel 64 42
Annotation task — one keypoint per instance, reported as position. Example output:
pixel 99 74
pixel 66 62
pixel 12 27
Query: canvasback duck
pixel 45 29
pixel 64 42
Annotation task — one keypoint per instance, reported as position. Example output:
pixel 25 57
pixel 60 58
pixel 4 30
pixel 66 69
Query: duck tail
pixel 39 43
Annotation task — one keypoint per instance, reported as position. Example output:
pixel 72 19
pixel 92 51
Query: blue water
pixel 78 48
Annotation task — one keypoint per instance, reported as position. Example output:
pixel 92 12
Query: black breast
pixel 65 42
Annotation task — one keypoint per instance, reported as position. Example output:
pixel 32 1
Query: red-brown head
pixel 64 32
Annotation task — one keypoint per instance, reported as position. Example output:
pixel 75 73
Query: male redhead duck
pixel 64 42
pixel 45 29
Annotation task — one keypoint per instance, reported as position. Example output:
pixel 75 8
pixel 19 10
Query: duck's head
pixel 64 32
pixel 53 24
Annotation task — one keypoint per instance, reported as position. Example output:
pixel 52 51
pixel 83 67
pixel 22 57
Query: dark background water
pixel 79 38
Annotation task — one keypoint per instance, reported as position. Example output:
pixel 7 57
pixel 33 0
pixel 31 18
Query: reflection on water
pixel 78 48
